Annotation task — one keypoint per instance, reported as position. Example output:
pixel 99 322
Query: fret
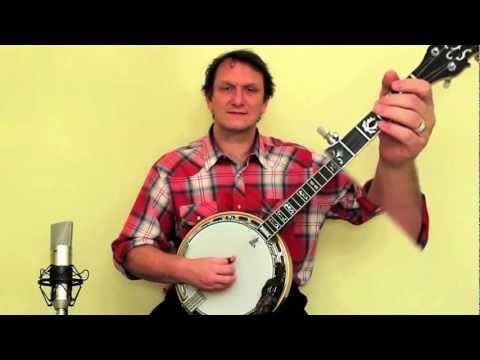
pixel 314 184
pixel 327 175
pixel 333 167
pixel 281 216
pixel 289 207
pixel 361 132
pixel 298 199
pixel 285 211
pixel 355 139
pixel 346 147
pixel 293 202
pixel 318 177
pixel 303 194
pixel 308 189
pixel 277 219
pixel 272 222
pixel 269 227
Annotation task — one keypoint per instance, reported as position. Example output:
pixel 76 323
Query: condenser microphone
pixel 61 275
pixel 61 260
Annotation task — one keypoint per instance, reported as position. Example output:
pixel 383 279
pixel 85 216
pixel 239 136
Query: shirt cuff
pixel 366 203
pixel 120 248
pixel 122 269
pixel 422 238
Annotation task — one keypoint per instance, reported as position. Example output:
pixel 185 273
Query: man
pixel 234 168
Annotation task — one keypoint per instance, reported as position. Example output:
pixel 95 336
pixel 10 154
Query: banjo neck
pixel 339 154
pixel 441 62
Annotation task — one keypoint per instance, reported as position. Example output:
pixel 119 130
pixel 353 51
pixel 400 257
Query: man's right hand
pixel 207 274
pixel 210 274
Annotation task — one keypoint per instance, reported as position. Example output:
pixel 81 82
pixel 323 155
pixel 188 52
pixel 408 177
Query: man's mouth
pixel 236 113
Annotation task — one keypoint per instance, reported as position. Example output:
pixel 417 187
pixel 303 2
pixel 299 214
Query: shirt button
pixel 239 206
pixel 198 217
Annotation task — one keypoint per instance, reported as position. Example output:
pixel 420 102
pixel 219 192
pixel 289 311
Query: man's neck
pixel 236 145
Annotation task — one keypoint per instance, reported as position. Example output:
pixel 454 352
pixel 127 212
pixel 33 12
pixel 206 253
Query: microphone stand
pixel 57 283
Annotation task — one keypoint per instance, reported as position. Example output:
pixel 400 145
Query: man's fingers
pixel 421 88
pixel 223 260
pixel 222 282
pixel 225 270
pixel 405 101
pixel 405 117
pixel 388 79
pixel 400 133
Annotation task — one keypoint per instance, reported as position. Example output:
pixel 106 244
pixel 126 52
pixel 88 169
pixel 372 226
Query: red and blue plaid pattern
pixel 196 181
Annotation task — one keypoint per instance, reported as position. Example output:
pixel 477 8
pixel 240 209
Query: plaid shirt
pixel 196 181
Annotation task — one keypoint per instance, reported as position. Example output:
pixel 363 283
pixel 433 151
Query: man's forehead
pixel 230 64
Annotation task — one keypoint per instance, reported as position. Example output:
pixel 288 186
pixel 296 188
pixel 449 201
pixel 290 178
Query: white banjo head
pixel 233 234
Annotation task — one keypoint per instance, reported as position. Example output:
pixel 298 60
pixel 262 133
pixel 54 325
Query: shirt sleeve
pixel 348 199
pixel 149 222
pixel 352 203
pixel 355 207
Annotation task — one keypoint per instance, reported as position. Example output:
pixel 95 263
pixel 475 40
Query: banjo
pixel 264 267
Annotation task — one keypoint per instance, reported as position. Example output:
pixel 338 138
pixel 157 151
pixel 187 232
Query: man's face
pixel 237 98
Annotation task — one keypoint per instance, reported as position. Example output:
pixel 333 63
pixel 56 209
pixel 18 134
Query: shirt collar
pixel 214 153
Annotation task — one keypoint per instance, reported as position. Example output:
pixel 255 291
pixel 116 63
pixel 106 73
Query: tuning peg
pixel 331 137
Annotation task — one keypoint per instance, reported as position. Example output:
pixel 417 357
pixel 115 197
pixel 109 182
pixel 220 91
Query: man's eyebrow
pixel 226 82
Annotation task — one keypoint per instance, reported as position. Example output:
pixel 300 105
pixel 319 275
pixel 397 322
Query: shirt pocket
pixel 191 214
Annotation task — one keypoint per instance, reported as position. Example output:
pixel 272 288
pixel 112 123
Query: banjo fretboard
pixel 339 154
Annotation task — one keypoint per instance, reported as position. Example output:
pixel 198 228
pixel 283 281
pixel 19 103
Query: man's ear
pixel 210 106
pixel 209 102
pixel 265 105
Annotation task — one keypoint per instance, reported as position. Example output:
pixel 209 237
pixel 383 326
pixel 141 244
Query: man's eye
pixel 252 90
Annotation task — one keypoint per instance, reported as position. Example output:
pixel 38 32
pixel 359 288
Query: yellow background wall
pixel 81 125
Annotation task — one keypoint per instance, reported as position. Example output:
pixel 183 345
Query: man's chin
pixel 237 128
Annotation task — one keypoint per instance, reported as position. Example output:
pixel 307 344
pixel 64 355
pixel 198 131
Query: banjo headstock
pixel 444 62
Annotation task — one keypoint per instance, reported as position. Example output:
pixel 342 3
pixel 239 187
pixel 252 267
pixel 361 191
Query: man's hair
pixel 244 56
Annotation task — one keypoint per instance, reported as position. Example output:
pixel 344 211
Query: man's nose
pixel 238 97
